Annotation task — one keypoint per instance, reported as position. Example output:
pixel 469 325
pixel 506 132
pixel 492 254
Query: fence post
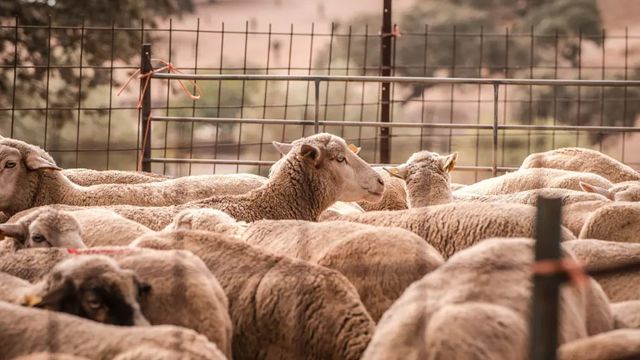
pixel 494 152
pixel 145 68
pixel 546 287
pixel 316 119
pixel 385 101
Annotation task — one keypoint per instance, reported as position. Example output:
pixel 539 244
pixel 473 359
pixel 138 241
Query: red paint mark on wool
pixel 98 251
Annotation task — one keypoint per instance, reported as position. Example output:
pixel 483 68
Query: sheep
pixel 584 160
pixel 626 314
pixel 394 196
pixel 45 227
pixel 428 183
pixel 528 179
pixel 478 303
pixel 25 330
pixel 624 191
pixel 613 265
pixel 575 215
pixel 90 226
pixel 616 221
pixel 280 307
pixel 93 287
pixel 316 172
pixel 88 177
pixel 340 208
pixel 455 226
pixel 31 180
pixel 183 291
pixel 379 262
pixel 621 344
pixel 426 175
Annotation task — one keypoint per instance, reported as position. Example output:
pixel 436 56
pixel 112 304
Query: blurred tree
pixel 445 38
pixel 39 45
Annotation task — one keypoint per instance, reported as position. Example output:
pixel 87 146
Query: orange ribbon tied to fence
pixel 170 68
pixel 568 266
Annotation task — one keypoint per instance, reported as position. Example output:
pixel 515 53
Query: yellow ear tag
pixel 394 171
pixel 32 300
pixel 354 149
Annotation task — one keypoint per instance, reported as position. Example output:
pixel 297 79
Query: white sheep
pixel 616 221
pixel 478 304
pixel 394 196
pixel 626 314
pixel 624 191
pixel 584 160
pixel 30 179
pixel 613 265
pixel 45 227
pixel 24 331
pixel 88 177
pixel 427 178
pixel 452 227
pixel 316 172
pixel 379 262
pixel 528 179
pixel 280 307
pixel 621 344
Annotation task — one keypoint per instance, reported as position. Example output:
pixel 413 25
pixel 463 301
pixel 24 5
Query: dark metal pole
pixel 494 149
pixel 145 68
pixel 546 287
pixel 385 101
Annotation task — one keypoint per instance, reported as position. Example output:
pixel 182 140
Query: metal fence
pixel 92 127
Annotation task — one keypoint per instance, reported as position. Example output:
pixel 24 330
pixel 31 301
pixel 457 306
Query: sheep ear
pixel 596 189
pixel 448 163
pixel 16 231
pixel 310 153
pixel 283 148
pixel 354 149
pixel 37 162
pixel 61 296
pixel 399 171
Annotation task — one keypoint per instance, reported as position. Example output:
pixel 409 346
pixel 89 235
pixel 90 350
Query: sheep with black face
pixel 93 287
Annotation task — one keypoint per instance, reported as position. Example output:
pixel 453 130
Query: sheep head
pixel 334 165
pixel 20 166
pixel 625 191
pixel 46 227
pixel 427 177
pixel 93 287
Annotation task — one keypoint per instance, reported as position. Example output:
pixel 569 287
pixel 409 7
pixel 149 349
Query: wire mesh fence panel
pixel 68 104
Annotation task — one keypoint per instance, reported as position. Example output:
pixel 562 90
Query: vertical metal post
pixel 385 101
pixel 316 118
pixel 546 287
pixel 145 68
pixel 494 152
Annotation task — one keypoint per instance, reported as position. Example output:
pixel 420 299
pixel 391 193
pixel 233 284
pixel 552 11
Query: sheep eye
pixel 10 164
pixel 38 238
pixel 340 158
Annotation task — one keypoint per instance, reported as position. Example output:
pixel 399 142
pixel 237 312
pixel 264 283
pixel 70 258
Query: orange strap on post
pixel 571 267
pixel 170 68
pixel 147 77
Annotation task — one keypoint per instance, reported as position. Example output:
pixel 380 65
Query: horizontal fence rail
pixel 317 122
